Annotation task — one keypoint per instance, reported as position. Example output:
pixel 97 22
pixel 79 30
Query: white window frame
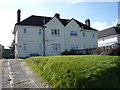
pixel 56 47
pixel 55 32
pixel 73 33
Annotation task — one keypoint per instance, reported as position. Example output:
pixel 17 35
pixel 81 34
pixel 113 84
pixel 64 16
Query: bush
pixel 115 51
pixel 98 51
pixel 71 52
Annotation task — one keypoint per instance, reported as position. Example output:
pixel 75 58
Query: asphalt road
pixel 16 74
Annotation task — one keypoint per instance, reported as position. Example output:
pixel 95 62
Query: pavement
pixel 16 74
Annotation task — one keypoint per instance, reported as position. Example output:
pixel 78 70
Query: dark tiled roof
pixel 84 26
pixel 39 21
pixel 35 21
pixel 64 21
pixel 109 31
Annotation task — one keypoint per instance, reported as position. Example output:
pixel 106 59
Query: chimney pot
pixel 18 15
pixel 87 22
pixel 57 15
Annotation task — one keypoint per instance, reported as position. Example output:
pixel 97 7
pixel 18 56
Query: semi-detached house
pixel 46 36
pixel 109 36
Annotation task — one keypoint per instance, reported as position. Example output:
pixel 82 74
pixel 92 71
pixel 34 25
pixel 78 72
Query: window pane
pixel 58 32
pixel 25 30
pixel 73 33
pixel 93 35
pixel 52 32
pixel 40 46
pixel 55 32
pixel 40 31
pixel 74 46
pixel 25 47
pixel 83 34
pixel 56 47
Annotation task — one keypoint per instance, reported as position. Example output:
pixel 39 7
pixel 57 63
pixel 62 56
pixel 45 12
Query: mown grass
pixel 84 71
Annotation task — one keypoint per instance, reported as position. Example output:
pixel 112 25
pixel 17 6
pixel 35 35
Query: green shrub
pixel 115 51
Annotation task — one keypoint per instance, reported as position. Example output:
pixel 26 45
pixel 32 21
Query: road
pixel 16 74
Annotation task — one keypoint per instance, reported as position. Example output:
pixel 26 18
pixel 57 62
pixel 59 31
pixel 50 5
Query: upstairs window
pixel 40 31
pixel 25 30
pixel 73 33
pixel 55 32
pixel 83 34
pixel 93 35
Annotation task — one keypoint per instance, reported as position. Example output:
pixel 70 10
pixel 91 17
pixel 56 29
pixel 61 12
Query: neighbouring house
pixel 46 36
pixel 1 51
pixel 7 54
pixel 109 36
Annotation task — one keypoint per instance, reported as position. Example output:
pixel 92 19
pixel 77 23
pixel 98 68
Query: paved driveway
pixel 16 74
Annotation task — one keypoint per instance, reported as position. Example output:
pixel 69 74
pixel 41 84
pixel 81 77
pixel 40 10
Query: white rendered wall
pixel 106 41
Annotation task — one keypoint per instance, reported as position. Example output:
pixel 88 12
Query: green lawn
pixel 81 71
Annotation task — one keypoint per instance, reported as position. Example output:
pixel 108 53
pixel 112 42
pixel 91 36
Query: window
pixel 94 46
pixel 56 47
pixel 93 35
pixel 25 30
pixel 73 33
pixel 55 32
pixel 83 34
pixel 40 46
pixel 84 46
pixel 25 47
pixel 74 46
pixel 40 31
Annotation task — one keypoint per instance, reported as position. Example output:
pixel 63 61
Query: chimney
pixel 87 22
pixel 57 15
pixel 18 15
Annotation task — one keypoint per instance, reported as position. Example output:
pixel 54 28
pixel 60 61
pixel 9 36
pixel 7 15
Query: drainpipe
pixel 44 48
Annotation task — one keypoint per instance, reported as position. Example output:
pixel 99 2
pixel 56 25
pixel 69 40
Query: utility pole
pixel 119 12
pixel 44 54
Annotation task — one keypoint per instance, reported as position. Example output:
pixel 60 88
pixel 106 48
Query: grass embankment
pixel 88 71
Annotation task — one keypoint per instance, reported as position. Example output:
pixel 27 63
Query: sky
pixel 102 14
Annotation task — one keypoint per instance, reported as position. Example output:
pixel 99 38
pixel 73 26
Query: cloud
pixel 114 23
pixel 100 25
pixel 7 25
pixel 33 2
pixel 76 1
pixel 103 25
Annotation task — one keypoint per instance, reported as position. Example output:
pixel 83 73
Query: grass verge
pixel 84 71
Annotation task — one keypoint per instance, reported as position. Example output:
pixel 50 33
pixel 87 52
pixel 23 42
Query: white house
pixel 109 36
pixel 45 36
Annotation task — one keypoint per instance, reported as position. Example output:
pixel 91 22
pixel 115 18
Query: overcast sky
pixel 103 14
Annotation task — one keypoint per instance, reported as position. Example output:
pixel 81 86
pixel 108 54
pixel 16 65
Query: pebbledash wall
pixel 29 38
